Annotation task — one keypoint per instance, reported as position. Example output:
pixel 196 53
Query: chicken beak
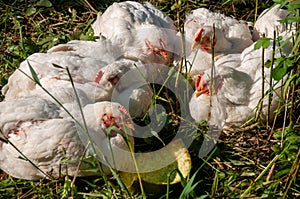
pixel 129 125
pixel 163 51
pixel 164 54
pixel 198 93
pixel 194 45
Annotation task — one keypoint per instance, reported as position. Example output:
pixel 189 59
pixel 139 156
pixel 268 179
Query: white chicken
pixel 33 126
pixel 231 37
pixel 231 91
pixel 142 31
pixel 51 145
pixel 93 80
pixel 269 21
pixel 252 65
pixel 102 50
pixel 238 82
pixel 133 14
pixel 82 69
pixel 36 128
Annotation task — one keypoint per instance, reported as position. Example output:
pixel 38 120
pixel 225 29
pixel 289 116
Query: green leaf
pixel 290 19
pixel 189 187
pixel 293 5
pixel 44 3
pixel 279 72
pixel 57 66
pixel 155 134
pixel 33 74
pixel 268 64
pixel 30 11
pixel 281 173
pixel 203 197
pixel 263 42
pixel 294 139
pixel 282 66
pixel 296 44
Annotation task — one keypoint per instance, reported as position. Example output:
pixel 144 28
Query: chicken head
pixel 158 51
pixel 109 120
pixel 202 40
pixel 202 84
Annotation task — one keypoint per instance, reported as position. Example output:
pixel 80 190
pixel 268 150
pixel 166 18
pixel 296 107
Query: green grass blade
pixel 33 74
pixel 189 187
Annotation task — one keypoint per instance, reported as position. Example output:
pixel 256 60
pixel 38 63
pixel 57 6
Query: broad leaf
pixel 279 72
pixel 268 64
pixel 44 3
pixel 294 5
pixel 30 11
pixel 263 42
pixel 282 65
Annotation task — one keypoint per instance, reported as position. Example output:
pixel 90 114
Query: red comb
pixel 198 79
pixel 199 35
pixel 98 76
pixel 123 110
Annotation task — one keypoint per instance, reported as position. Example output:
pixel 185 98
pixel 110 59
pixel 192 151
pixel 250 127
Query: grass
pixel 253 162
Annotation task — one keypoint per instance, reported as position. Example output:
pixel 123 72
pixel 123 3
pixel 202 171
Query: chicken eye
pixel 205 39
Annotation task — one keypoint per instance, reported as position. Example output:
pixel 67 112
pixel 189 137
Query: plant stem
pixel 259 111
pixel 270 94
pixel 255 14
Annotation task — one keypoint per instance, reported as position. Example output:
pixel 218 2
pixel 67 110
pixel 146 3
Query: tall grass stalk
pixel 86 2
pixel 183 181
pixel 260 104
pixel 268 112
pixel 181 64
pixel 24 53
pixel 189 188
pixel 214 185
pixel 255 13
pixel 85 127
pixel 120 182
pixel 79 164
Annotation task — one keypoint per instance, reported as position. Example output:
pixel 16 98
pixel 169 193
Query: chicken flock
pixel 46 134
